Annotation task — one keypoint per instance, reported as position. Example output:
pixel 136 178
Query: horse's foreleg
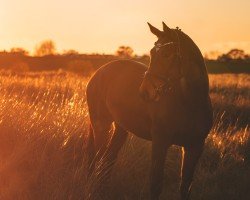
pixel 159 149
pixel 190 158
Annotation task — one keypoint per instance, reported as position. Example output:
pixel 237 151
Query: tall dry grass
pixel 43 130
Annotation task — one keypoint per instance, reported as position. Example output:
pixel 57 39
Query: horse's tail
pixel 91 150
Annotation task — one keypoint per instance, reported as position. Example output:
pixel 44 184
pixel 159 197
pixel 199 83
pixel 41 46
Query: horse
pixel 167 103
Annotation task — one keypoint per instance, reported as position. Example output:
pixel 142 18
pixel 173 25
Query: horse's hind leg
pixel 101 133
pixel 91 150
pixel 190 158
pixel 115 144
pixel 110 156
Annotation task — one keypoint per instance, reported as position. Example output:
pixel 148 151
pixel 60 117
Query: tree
pixel 233 54
pixel 236 54
pixel 45 48
pixel 19 50
pixel 125 51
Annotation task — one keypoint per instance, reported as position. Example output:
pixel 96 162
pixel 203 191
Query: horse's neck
pixel 194 70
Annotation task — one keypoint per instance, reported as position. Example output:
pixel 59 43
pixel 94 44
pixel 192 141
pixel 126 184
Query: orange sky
pixel 101 26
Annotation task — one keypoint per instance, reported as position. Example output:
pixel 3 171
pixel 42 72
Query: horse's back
pixel 112 72
pixel 117 67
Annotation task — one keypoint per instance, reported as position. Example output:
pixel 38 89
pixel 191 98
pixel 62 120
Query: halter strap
pixel 167 82
pixel 158 46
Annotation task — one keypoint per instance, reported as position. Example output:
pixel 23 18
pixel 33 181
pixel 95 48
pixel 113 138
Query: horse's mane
pixel 194 67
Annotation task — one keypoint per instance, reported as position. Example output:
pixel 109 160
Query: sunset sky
pixel 101 26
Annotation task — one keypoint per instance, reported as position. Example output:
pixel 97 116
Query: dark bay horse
pixel 166 103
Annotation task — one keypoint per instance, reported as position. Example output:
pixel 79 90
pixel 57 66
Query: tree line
pixel 46 57
pixel 48 47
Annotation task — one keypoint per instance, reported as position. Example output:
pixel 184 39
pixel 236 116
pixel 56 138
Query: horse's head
pixel 164 63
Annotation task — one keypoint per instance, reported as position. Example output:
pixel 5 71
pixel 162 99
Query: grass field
pixel 43 130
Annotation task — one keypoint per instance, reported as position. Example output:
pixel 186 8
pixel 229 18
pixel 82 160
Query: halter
pixel 167 86
pixel 158 46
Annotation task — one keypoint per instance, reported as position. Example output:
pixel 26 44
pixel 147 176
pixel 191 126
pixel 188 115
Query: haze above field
pixel 101 26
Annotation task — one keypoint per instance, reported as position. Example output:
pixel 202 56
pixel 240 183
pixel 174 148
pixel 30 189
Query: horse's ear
pixel 166 29
pixel 155 31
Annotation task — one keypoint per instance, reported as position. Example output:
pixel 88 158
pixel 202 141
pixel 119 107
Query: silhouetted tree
pixel 236 54
pixel 247 57
pixel 19 50
pixel 46 47
pixel 233 54
pixel 125 51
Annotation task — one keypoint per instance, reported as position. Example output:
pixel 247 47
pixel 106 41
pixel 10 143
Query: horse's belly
pixel 131 118
pixel 128 109
pixel 136 125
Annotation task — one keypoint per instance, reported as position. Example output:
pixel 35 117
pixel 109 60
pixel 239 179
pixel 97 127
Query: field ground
pixel 43 129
